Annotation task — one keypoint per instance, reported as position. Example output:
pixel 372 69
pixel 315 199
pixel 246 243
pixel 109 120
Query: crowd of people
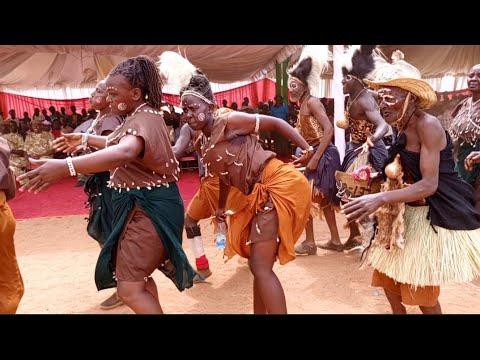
pixel 425 214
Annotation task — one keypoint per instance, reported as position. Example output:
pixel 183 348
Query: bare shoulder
pixel 430 122
pixel 372 93
pixel 314 100
pixel 430 130
pixel 235 116
pixel 368 101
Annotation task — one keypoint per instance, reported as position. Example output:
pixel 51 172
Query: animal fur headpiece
pixel 178 71
pixel 358 61
pixel 313 62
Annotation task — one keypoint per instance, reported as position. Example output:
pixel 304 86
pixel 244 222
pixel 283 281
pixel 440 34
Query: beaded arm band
pixel 257 124
pixel 71 168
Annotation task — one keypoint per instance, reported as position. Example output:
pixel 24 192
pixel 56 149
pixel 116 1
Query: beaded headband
pixel 197 94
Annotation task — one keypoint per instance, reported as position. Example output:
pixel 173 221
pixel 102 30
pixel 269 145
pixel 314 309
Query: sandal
pixel 201 275
pixel 305 249
pixel 331 246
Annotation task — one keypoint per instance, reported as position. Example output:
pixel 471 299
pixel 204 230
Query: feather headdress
pixel 359 61
pixel 178 71
pixel 313 62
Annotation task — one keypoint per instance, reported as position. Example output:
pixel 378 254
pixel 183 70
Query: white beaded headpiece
pixel 191 92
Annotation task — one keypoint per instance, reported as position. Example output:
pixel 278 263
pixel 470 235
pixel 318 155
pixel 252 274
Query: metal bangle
pixel 310 149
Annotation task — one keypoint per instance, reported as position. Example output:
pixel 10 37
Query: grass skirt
pixel 431 257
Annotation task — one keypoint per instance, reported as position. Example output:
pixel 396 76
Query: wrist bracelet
pixel 309 150
pixel 257 124
pixel 71 168
pixel 85 140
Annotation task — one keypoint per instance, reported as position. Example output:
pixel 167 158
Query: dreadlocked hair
pixel 142 72
pixel 200 84
pixel 358 61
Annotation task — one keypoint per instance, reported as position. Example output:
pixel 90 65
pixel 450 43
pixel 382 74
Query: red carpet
pixel 64 199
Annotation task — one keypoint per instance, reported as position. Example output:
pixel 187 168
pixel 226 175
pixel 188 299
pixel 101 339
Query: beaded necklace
pixel 350 103
pixel 138 108
pixel 91 129
pixel 469 132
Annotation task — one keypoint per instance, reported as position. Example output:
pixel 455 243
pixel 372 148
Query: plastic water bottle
pixel 221 240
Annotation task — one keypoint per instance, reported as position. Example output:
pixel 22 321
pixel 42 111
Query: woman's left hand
pixel 46 173
pixel 358 209
pixel 301 161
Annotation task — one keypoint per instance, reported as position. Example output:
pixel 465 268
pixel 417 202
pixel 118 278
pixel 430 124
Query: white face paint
pixel 386 97
pixel 297 89
pixel 122 106
pixel 98 100
pixel 201 117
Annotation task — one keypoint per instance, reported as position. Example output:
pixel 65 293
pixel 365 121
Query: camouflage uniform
pixel 17 162
pixel 38 144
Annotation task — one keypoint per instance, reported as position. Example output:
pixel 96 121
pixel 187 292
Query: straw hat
pixel 401 74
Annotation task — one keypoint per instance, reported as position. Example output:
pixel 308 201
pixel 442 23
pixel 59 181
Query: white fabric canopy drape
pixel 71 71
pixel 59 66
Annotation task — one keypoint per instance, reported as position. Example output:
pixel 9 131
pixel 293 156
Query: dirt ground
pixel 57 260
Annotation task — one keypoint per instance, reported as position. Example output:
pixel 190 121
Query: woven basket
pixel 349 187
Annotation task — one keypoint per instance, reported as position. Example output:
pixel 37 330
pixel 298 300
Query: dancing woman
pixel 278 196
pixel 148 209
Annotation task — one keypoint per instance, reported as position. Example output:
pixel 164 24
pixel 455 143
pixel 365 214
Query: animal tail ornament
pixel 175 69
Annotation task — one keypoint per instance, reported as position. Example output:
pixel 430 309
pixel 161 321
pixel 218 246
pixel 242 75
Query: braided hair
pixel 200 84
pixel 142 72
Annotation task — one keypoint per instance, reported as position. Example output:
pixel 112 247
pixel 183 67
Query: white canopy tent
pixel 71 71
pixel 79 66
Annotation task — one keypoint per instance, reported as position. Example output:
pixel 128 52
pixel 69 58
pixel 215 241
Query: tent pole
pixel 339 98
pixel 285 82
pixel 278 78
